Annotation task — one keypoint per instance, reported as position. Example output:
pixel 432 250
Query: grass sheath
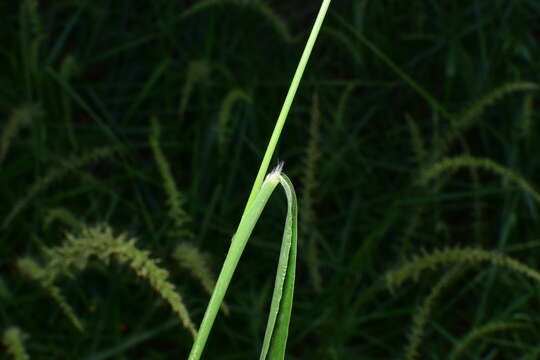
pixel 276 331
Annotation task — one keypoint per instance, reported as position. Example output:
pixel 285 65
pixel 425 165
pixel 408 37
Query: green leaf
pixel 277 328
pixel 280 309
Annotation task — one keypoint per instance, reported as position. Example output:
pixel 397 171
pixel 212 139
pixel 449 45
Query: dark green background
pixel 428 59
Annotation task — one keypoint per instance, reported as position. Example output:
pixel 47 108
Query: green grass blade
pixel 277 329
pixel 61 40
pixel 280 310
pixel 279 319
pixel 238 243
pixel 287 103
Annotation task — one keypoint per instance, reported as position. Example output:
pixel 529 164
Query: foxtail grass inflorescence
pixel 13 341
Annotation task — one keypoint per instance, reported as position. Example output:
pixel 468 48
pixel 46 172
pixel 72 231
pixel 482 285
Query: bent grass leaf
pixel 277 329
pixel 280 309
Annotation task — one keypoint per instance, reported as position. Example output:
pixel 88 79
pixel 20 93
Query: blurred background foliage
pixel 387 81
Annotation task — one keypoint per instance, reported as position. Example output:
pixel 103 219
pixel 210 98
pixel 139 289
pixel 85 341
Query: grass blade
pixel 260 192
pixel 287 103
pixel 238 243
pixel 277 329
pixel 280 309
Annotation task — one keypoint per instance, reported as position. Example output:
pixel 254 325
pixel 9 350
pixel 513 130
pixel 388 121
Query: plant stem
pixel 257 198
pixel 233 256
pixel 287 104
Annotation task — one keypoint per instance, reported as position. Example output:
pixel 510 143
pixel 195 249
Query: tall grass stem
pixel 231 261
pixel 287 104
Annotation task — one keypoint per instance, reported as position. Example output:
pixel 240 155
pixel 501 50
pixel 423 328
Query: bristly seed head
pixel 276 172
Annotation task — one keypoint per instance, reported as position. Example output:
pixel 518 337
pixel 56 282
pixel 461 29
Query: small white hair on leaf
pixel 276 172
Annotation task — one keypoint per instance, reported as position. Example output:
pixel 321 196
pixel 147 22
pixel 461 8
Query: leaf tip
pixel 276 172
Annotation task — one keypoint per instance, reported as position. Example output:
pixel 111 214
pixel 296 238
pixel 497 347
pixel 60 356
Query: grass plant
pixel 275 337
pixel 412 137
